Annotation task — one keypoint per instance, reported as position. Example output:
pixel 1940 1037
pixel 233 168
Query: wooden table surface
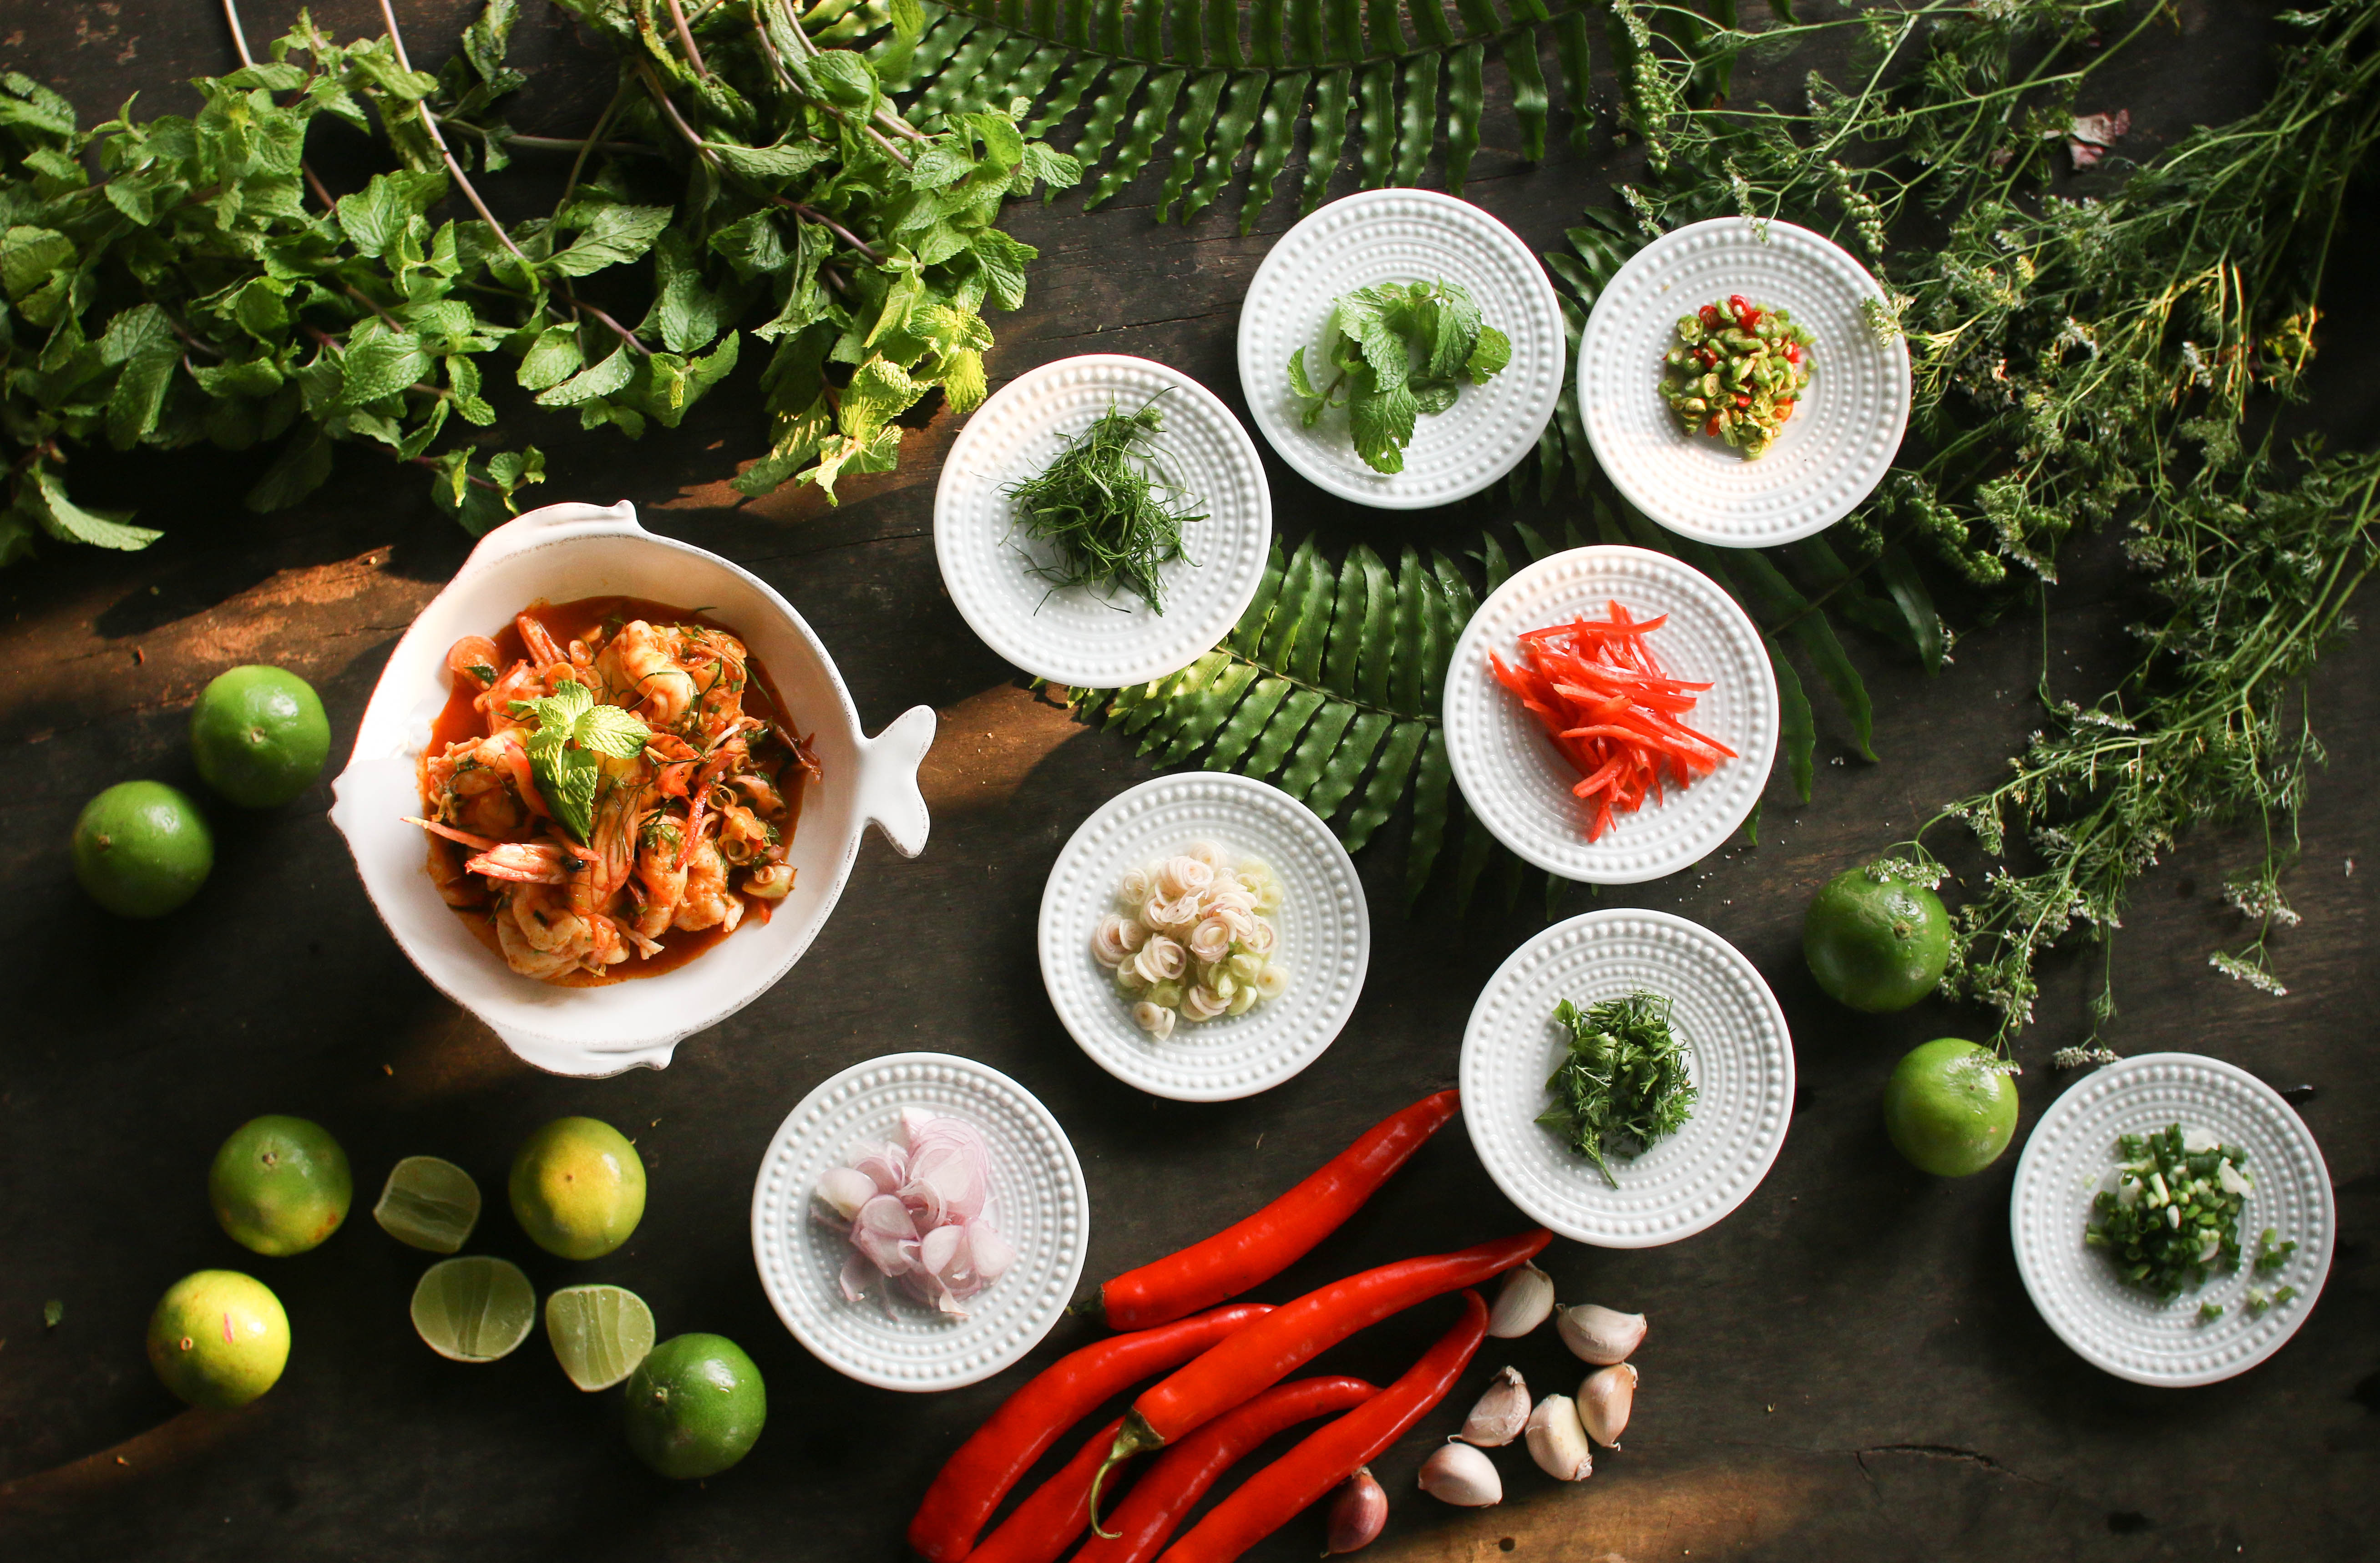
pixel 1846 1369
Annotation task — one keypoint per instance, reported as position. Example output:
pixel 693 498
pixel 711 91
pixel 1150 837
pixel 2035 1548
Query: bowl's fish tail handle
pixel 887 779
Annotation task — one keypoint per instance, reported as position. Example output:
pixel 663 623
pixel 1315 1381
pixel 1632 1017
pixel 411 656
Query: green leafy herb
pixel 1112 523
pixel 572 732
pixel 1397 352
pixel 178 279
pixel 1624 1084
pixel 2173 1217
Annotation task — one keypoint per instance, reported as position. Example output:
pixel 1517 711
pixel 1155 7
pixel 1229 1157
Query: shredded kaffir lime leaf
pixel 1624 1084
pixel 1113 525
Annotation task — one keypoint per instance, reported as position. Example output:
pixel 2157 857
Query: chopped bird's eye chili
pixel 1736 372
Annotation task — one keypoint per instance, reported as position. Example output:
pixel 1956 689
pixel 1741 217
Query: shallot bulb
pixel 919 1212
pixel 1358 1513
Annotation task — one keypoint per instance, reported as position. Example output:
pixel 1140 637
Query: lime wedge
pixel 429 1205
pixel 600 1333
pixel 474 1310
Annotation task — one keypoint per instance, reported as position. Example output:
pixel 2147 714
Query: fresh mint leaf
pixel 601 380
pixel 1491 353
pixel 608 729
pixel 1382 424
pixel 1297 380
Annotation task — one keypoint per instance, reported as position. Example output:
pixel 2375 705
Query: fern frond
pixel 1210 85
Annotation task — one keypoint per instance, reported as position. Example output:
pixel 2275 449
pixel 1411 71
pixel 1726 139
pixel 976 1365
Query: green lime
pixel 218 1338
pixel 259 736
pixel 429 1205
pixel 1951 1108
pixel 474 1310
pixel 142 849
pixel 600 1333
pixel 695 1406
pixel 1875 940
pixel 280 1185
pixel 578 1188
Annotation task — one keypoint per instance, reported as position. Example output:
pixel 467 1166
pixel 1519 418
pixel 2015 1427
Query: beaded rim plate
pixel 1519 784
pixel 1324 925
pixel 2131 1334
pixel 1739 1056
pixel 1043 1208
pixel 1846 426
pixel 1404 235
pixel 1077 636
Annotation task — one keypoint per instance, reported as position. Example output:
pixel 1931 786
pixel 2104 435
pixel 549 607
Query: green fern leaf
pixel 1240 110
pixel 1906 589
pixel 1376 120
pixel 1107 114
pixel 1387 787
pixel 1418 125
pixel 1198 115
pixel 1526 82
pixel 1250 719
pixel 1479 850
pixel 1574 49
pixel 1332 720
pixel 1205 715
pixel 1344 647
pixel 1273 747
pixel 1433 782
pixel 1467 100
pixel 1140 142
pixel 1797 729
pixel 1328 138
pixel 1275 132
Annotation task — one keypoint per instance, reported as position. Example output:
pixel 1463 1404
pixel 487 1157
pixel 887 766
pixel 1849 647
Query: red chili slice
pixel 1268 1499
pixel 975 1479
pixel 1255 1250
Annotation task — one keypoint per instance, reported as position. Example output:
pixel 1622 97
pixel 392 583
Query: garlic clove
pixel 1497 1420
pixel 1604 1401
pixel 1459 1475
pixel 1601 1335
pixel 1558 1440
pixel 1526 1297
pixel 1357 1513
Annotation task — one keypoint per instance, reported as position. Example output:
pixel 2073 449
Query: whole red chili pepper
pixel 1266 1501
pixel 1269 1351
pixel 1183 1475
pixel 1052 1514
pixel 975 1479
pixel 1272 1240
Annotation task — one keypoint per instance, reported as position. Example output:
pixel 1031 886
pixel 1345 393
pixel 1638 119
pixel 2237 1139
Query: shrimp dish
pixel 610 789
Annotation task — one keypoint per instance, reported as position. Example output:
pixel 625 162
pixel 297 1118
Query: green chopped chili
pixel 1622 1085
pixel 1736 372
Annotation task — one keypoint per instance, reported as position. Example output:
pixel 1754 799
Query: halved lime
pixel 600 1333
pixel 474 1310
pixel 428 1203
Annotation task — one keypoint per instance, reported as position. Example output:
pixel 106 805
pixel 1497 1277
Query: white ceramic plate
pixel 1514 777
pixel 1324 926
pixel 1404 235
pixel 1844 429
pixel 1740 1057
pixel 2131 1333
pixel 1078 636
pixel 1043 1209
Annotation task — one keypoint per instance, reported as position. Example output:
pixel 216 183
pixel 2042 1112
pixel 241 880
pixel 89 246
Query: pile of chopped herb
pixel 1113 525
pixel 1401 351
pixel 2173 1217
pixel 1624 1084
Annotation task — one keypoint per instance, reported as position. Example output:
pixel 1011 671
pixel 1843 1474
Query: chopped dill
pixel 1113 524
pixel 1623 1084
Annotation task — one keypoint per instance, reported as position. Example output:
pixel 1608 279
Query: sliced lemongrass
pixel 598 1333
pixel 474 1310
pixel 429 1204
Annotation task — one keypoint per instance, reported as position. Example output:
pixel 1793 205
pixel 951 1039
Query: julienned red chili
pixel 975 1479
pixel 1182 1475
pixel 1267 1500
pixel 1272 1240
pixel 1052 1514
pixel 1269 1351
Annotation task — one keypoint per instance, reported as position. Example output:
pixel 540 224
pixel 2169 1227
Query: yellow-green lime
pixel 578 1188
pixel 1875 939
pixel 474 1309
pixel 219 1338
pixel 259 736
pixel 142 849
pixel 1951 1108
pixel 280 1185
pixel 428 1203
pixel 695 1406
pixel 598 1333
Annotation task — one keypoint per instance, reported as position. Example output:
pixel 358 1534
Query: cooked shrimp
pixel 638 660
pixel 475 659
pixel 455 887
pixel 661 868
pixel 525 958
pixel 476 787
pixel 706 902
pixel 525 862
pixel 539 639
